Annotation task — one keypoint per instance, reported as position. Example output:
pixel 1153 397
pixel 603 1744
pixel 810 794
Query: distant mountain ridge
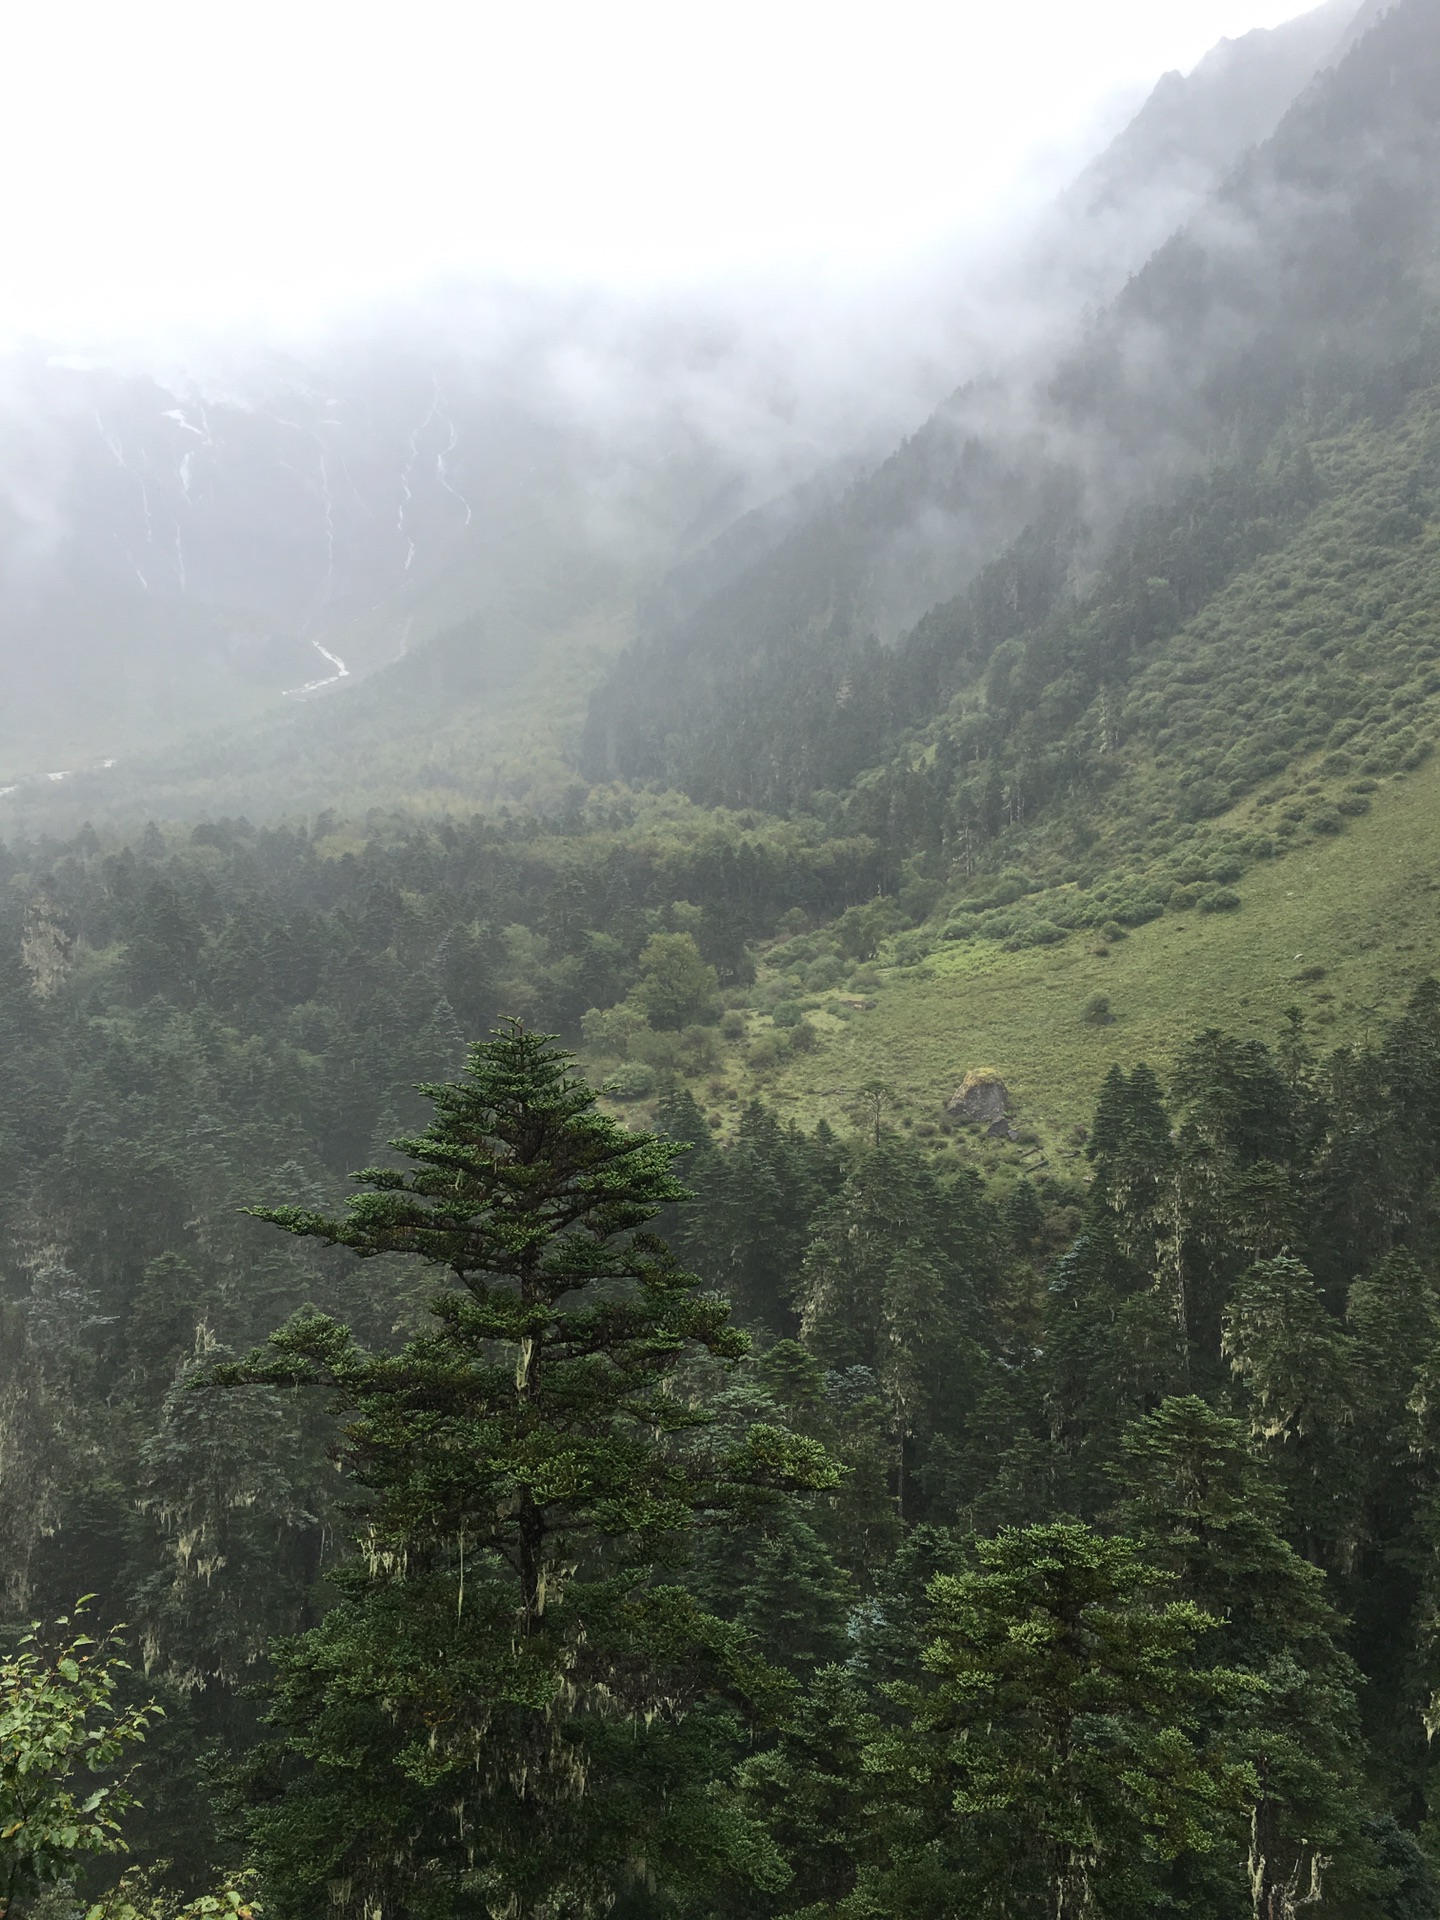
pixel 174 556
pixel 1304 267
pixel 178 554
pixel 1190 132
pixel 184 550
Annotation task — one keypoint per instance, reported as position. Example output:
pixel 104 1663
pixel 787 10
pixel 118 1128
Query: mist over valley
pixel 783 670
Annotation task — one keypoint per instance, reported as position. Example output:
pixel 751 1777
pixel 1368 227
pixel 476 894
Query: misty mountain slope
pixel 514 464
pixel 1206 795
pixel 1018 697
pixel 186 552
pixel 1155 389
pixel 152 529
pixel 165 666
pixel 1192 130
pixel 471 719
pixel 1313 269
pixel 522 465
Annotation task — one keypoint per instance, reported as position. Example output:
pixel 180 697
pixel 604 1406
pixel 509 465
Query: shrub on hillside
pixel 634 1081
pixel 676 986
pixel 1034 933
pixel 767 1051
pixel 964 926
pixel 911 949
pixel 827 971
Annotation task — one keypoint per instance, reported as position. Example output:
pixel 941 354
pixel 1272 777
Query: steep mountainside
pixel 185 551
pixel 1187 137
pixel 182 552
pixel 1305 271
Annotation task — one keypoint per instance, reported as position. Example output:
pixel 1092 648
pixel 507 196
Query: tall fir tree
pixel 1060 1741
pixel 1198 1503
pixel 509 1709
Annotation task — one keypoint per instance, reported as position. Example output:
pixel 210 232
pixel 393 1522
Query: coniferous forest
pixel 789 1270
pixel 784 1522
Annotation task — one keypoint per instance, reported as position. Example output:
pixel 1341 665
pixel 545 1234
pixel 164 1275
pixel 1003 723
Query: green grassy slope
pixel 1249 820
pixel 1342 928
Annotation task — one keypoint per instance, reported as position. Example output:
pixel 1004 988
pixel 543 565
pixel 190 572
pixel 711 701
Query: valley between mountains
pixel 720 1076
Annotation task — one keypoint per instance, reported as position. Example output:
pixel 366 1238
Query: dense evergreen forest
pixel 521 1400
pixel 903 1541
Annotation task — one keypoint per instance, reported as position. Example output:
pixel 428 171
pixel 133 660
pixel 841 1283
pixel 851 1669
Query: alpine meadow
pixel 720 1074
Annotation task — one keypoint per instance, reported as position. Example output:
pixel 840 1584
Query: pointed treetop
pixel 519 1176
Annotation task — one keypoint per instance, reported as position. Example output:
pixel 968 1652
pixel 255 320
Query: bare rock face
pixel 981 1097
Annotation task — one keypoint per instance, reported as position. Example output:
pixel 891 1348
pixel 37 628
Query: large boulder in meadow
pixel 981 1098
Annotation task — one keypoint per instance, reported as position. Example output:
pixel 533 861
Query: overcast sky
pixel 208 160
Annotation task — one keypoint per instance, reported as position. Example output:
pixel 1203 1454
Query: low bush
pixel 767 1052
pixel 634 1081
pixel 827 971
pixel 1034 933
pixel 911 949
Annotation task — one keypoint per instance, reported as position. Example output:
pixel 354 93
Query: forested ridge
pixel 1177 1403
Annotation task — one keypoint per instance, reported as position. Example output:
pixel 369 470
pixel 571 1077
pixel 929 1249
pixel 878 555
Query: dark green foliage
pixel 778 1580
pixel 815 1792
pixel 898 1280
pixel 1260 1226
pixel 1197 1500
pixel 1060 1743
pixel 754 1212
pixel 492 1714
pixel 1024 1217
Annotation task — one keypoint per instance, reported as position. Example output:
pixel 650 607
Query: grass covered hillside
pixel 1241 818
pixel 1342 928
